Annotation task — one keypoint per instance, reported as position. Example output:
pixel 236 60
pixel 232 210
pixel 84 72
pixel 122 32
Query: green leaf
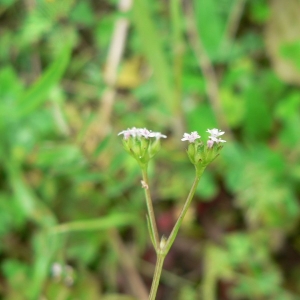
pixel 82 13
pixel 290 51
pixel 15 272
pixel 7 2
pixel 37 94
pixel 259 10
pixel 233 107
pixel 258 120
pixel 11 89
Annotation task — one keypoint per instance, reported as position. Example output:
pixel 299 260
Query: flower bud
pixel 154 147
pixel 162 243
pixel 192 148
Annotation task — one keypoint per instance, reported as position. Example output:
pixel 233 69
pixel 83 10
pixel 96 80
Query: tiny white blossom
pixel 214 136
pixel 144 132
pixel 130 132
pixel 215 132
pixel 126 134
pixel 157 135
pixel 140 132
pixel 134 132
pixel 191 137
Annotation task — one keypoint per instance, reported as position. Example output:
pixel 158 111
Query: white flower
pixel 134 132
pixel 144 132
pixel 191 137
pixel 157 135
pixel 214 136
pixel 131 132
pixel 126 133
pixel 141 132
pixel 215 132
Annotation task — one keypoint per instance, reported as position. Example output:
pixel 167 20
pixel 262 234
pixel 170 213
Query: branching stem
pixel 162 248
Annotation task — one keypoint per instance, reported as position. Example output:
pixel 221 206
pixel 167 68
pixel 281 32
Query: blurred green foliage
pixel 67 184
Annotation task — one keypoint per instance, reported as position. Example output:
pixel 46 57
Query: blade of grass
pixel 105 222
pixel 153 49
pixel 37 93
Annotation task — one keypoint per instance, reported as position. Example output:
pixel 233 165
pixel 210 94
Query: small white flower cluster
pixel 141 132
pixel 214 135
pixel 191 137
pixel 213 138
pixel 137 143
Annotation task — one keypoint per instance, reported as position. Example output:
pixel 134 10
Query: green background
pixel 75 73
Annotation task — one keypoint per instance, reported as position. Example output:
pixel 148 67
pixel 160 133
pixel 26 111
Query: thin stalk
pixel 162 250
pixel 157 274
pixel 185 208
pixel 150 209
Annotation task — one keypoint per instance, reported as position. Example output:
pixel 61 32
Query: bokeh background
pixel 74 73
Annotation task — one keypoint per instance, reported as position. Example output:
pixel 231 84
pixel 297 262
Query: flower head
pixel 138 144
pixel 140 132
pixel 191 137
pixel 200 154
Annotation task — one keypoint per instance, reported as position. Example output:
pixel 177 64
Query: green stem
pixel 157 274
pixel 161 248
pixel 150 210
pixel 185 208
